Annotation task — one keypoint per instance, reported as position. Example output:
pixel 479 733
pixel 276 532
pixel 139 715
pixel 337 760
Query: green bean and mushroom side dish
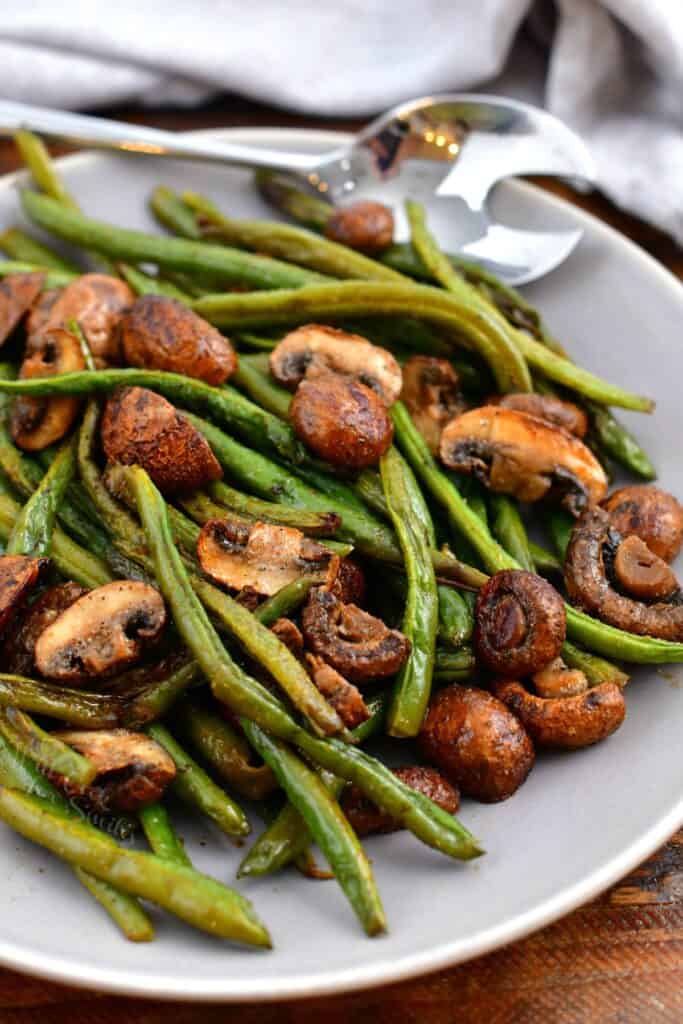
pixel 265 494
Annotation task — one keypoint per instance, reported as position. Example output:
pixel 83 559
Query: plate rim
pixel 382 972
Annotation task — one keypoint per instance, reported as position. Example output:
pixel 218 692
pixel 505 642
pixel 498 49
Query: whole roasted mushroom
pixel 650 513
pixel 355 643
pixel 96 302
pixel 261 556
pixel 141 427
pixel 514 453
pixel 431 393
pixel 313 350
pixel 39 422
pixel 519 623
pixel 19 575
pixel 367 819
pixel 159 333
pixel 477 742
pixel 101 633
pixel 18 652
pixel 593 571
pixel 566 723
pixel 365 225
pixel 341 420
pixel 553 410
pixel 342 695
pixel 132 769
pixel 18 293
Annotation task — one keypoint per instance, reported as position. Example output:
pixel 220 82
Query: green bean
pixel 369 535
pixel 35 155
pixel 53 278
pixel 480 328
pixel 48 752
pixel 160 834
pixel 508 528
pixel 170 210
pixel 313 523
pixel 146 284
pixel 454 666
pixel 256 341
pixel 456 620
pixel 155 700
pixel 559 525
pixel 195 898
pixel 175 253
pixel 285 601
pixel 17 772
pixel 261 388
pixel 225 404
pixel 280 192
pixel 193 786
pixel 368 486
pixel 327 824
pixel 77 707
pixel 292 244
pixel 20 246
pixel 410 516
pixel 544 560
pixel 402 334
pixel 225 751
pixel 596 669
pixel 618 443
pixel 32 532
pixel 246 697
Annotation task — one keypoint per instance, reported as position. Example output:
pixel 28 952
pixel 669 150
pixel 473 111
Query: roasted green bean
pixel 160 834
pixel 32 532
pixel 20 246
pixel 48 752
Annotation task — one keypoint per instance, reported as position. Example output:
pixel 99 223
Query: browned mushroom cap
pixel 514 453
pixel 132 769
pixel 348 581
pixel 18 654
pixel 40 311
pixel 642 573
pixel 651 514
pixel 365 225
pixel 141 427
pixel 566 723
pixel 341 420
pixel 358 645
pixel 314 350
pixel 264 557
pixel 589 575
pixel 159 333
pixel 477 742
pixel 39 422
pixel 432 396
pixel 342 695
pixel 367 819
pixel 557 680
pixel 18 293
pixel 96 302
pixel 18 576
pixel 519 623
pixel 102 632
pixel 546 407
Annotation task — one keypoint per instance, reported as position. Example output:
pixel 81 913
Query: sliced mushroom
pixel 558 680
pixel 39 422
pixel 589 574
pixel 477 742
pixel 649 513
pixel 290 635
pixel 18 577
pixel 546 407
pixel 132 769
pixel 342 695
pixel 341 420
pixel 141 427
pixel 315 349
pixel 366 225
pixel 96 302
pixel 514 453
pixel 566 723
pixel 367 819
pixel 40 311
pixel 18 293
pixel 431 393
pixel 347 581
pixel 360 646
pixel 262 556
pixel 101 633
pixel 642 573
pixel 159 333
pixel 519 623
pixel 19 649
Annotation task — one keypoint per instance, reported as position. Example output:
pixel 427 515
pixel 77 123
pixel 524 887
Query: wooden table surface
pixel 617 960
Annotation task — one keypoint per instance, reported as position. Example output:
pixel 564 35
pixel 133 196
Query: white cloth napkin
pixel 613 69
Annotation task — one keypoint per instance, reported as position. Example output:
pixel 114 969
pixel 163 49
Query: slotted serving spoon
pixel 450 148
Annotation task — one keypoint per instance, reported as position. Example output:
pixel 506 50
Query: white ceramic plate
pixel 578 824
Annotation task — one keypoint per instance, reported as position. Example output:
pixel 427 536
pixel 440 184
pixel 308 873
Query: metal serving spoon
pixel 451 148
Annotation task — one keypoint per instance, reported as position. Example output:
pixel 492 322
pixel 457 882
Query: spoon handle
pixel 99 132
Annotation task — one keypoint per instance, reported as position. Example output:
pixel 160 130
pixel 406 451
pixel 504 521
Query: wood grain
pixel 618 960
